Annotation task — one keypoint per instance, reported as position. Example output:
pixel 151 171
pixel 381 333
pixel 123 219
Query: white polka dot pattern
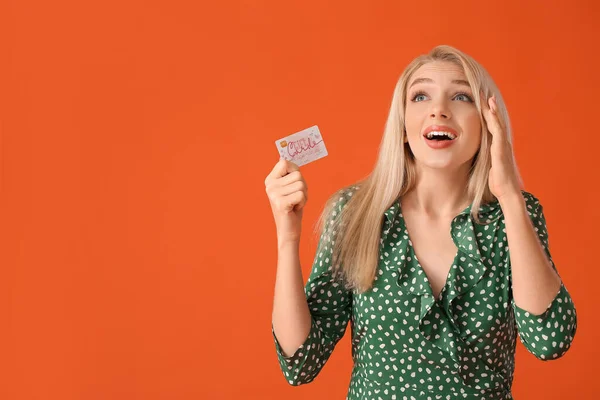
pixel 406 344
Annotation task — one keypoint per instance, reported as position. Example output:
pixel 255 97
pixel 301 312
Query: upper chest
pixel 429 238
pixel 433 246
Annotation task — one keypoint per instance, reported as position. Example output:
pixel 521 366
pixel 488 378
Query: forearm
pixel 291 316
pixel 535 283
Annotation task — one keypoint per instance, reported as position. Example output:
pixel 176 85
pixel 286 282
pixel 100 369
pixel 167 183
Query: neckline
pixel 464 211
pixel 438 299
pixel 485 210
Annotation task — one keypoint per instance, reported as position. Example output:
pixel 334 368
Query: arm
pixel 544 311
pixel 291 316
pixel 308 324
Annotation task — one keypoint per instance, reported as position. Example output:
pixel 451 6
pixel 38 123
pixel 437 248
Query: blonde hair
pixel 355 252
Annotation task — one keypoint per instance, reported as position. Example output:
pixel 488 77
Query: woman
pixel 438 257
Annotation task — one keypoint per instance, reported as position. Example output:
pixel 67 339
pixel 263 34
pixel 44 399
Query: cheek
pixel 472 124
pixel 474 131
pixel 413 120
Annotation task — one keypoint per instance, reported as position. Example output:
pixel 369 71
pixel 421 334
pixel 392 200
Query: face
pixel 439 97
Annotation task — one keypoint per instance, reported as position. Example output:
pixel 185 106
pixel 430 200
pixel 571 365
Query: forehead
pixel 441 72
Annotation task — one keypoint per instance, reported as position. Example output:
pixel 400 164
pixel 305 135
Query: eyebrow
pixel 461 82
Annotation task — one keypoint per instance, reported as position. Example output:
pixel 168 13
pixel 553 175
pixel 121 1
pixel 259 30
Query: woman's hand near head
pixel 288 194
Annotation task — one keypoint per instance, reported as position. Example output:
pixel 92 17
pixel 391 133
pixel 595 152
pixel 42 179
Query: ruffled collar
pixel 487 210
pixel 462 226
pixel 436 321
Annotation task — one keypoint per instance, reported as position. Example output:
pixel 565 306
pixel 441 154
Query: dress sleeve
pixel 549 335
pixel 330 305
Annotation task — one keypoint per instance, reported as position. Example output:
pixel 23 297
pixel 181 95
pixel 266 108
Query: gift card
pixel 302 147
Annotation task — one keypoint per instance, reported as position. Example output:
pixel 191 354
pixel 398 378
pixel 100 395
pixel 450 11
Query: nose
pixel 440 109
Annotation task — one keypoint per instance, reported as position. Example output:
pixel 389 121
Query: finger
pixel 299 199
pixel 491 118
pixel 297 186
pixel 485 107
pixel 485 104
pixel 291 177
pixel 287 180
pixel 498 118
pixel 295 200
pixel 282 168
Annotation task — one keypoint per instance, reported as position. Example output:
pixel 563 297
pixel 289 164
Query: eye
pixel 417 95
pixel 465 96
pixel 420 96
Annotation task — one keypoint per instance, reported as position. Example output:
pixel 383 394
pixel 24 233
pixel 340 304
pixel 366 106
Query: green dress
pixel 406 344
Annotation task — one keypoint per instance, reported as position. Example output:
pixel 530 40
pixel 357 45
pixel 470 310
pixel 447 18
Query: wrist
pixel 512 200
pixel 288 244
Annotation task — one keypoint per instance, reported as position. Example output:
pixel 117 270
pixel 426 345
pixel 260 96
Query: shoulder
pixel 332 211
pixel 341 197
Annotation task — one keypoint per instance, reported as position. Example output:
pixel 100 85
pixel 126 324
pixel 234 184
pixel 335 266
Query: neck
pixel 439 193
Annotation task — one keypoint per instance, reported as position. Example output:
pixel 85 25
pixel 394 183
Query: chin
pixel 452 164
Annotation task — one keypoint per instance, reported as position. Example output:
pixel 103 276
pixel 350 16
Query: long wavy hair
pixel 355 252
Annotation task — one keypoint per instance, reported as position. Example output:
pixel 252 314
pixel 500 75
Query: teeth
pixel 438 133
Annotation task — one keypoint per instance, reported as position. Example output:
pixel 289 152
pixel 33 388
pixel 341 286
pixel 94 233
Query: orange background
pixel 138 253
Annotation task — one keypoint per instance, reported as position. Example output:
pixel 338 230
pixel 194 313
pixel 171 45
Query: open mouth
pixel 439 136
